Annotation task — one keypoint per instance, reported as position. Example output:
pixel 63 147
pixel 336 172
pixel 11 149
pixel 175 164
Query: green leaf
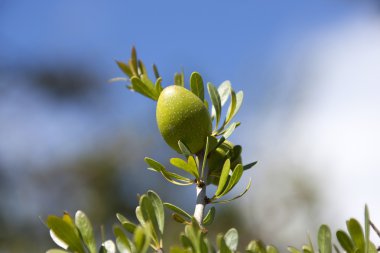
pixel 186 242
pixel 223 178
pixel 190 168
pixel 271 249
pixel 109 246
pixel 56 251
pixel 177 210
pixel 125 68
pixel 141 238
pixel 196 85
pixel 133 61
pixel 324 239
pixel 231 238
pixel 230 129
pixel 216 103
pixel 239 101
pixel 256 247
pixel 156 73
pixel 209 218
pixel 158 208
pixel 179 79
pixel 65 232
pixel 367 226
pixel 234 179
pixel 232 107
pixel 141 87
pixel 249 165
pixel 184 149
pixel 148 214
pixel 356 233
pixel 85 228
pixel 142 68
pixel 224 90
pixel 128 225
pixel 158 86
pixel 345 241
pixel 238 196
pixel 223 248
pixel 293 250
pixel 139 216
pixel 122 242
pixel 310 244
pixel 178 218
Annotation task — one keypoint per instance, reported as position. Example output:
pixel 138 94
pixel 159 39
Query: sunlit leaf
pixel 238 196
pixel 179 79
pixel 271 249
pixel 56 251
pixel 230 129
pixel 84 226
pixel 133 61
pixel 141 87
pixel 128 225
pixel 366 227
pixel 184 149
pixel 122 242
pixel 224 91
pixel 196 85
pixel 125 68
pixel 231 238
pixel 216 103
pixel 256 247
pixel 189 168
pixel 178 218
pixel 293 250
pixel 66 232
pixel 345 241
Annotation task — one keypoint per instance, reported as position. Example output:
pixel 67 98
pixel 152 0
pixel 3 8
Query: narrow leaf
pixel 122 242
pixel 156 73
pixel 216 103
pixel 249 165
pixel 196 85
pixel 178 218
pixel 181 164
pixel 239 196
pixel 345 241
pixel 236 175
pixel 209 218
pixel 223 178
pixel 134 60
pixel 232 107
pixel 125 68
pixel 367 227
pixel 184 149
pixel 177 210
pixel 141 87
pixel 230 129
pixel 179 79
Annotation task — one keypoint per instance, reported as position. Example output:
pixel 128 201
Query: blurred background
pixel 69 140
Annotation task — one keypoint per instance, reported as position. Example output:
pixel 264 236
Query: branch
pixel 201 195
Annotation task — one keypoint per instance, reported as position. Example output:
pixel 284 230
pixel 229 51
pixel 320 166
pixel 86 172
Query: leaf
pixel 142 239
pixel 156 73
pixel 56 251
pixel 179 79
pixel 133 61
pixel 158 86
pixel 324 239
pixel 256 247
pixel 139 216
pixel 239 101
pixel 148 214
pixel 223 178
pixel 181 164
pixel 236 175
pixel 141 87
pixel 249 165
pixel 271 249
pixel 356 233
pixel 196 85
pixel 122 242
pixel 345 241
pixel 293 250
pixel 232 107
pixel 231 238
pixel 128 225
pixel 142 68
pixel 209 218
pixel 230 129
pixel 125 68
pixel 224 91
pixel 367 226
pixel 65 232
pixel 109 246
pixel 184 149
pixel 178 218
pixel 238 196
pixel 223 248
pixel 216 103
pixel 85 228
pixel 158 208
pixel 177 210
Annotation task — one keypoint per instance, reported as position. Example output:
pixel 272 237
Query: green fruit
pixel 217 158
pixel 181 115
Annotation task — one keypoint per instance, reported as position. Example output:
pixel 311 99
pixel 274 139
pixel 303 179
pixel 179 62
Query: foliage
pixel 75 234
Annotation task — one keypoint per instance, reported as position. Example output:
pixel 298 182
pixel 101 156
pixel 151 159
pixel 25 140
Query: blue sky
pixel 262 47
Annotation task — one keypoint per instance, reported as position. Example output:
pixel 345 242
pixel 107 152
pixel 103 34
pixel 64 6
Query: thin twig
pixel 375 228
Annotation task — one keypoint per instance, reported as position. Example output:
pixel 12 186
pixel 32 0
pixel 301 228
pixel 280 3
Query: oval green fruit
pixel 181 115
pixel 217 158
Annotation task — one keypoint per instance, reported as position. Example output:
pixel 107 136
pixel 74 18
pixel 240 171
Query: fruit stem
pixel 201 195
